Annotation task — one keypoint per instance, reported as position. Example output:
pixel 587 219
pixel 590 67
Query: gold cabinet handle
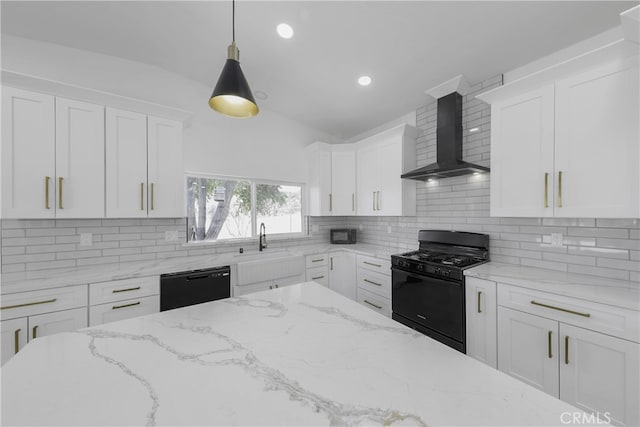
pixel 560 309
pixel 566 349
pixel 330 202
pixel 373 305
pixel 316 278
pixel 317 260
pixel 370 263
pixel 479 295
pixel 546 189
pixel 46 192
pixel 34 331
pixel 142 196
pixel 152 196
pixel 374 200
pixel 115 307
pixel 353 202
pixel 377 200
pixel 373 283
pixel 16 341
pixel 28 304
pixel 59 192
pixel 559 189
pixel 331 259
pixel 115 291
pixel 270 287
pixel 549 345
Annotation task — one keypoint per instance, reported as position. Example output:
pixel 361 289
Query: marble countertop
pixel 618 293
pixel 299 355
pixel 102 273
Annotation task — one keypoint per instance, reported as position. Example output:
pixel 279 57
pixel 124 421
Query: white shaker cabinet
pixel 13 337
pixel 332 180
pixel 481 320
pixel 342 273
pixel 343 183
pixel 126 160
pixel 28 154
pixel 165 168
pixel 79 159
pixel 319 180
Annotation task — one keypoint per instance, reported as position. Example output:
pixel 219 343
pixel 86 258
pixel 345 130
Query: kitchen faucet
pixel 263 237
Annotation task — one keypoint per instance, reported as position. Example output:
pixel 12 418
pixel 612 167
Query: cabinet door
pixel 528 349
pixel 522 155
pixel 56 322
pixel 28 154
pixel 390 168
pixel 319 275
pixel 599 373
pixel 343 183
pixel 165 169
pixel 597 134
pixel 342 273
pixel 319 183
pixel 126 164
pixel 14 337
pixel 79 159
pixel 481 320
pixel 368 179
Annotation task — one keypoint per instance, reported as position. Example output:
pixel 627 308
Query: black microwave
pixel 343 235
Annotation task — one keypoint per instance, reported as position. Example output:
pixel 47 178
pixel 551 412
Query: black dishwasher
pixel 194 287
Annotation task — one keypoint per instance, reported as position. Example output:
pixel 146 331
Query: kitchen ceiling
pixel 406 47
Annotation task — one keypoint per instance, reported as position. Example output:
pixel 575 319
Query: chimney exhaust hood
pixel 449 161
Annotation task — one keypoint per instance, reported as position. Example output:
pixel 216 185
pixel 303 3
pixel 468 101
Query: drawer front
pixel 59 321
pixel 382 266
pixel 615 321
pixel 374 302
pixel 239 291
pixel 319 275
pixel 118 290
pixel 43 301
pixel 112 312
pixel 319 260
pixel 372 281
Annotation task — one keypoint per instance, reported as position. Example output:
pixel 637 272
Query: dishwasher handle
pixel 197 277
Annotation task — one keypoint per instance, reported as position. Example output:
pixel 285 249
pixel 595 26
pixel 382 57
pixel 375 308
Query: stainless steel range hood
pixel 449 161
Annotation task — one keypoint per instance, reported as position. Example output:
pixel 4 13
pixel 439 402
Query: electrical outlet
pixel 86 239
pixel 171 235
pixel 556 239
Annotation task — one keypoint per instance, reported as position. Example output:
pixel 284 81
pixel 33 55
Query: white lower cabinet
pixel 481 321
pixel 318 269
pixel 342 273
pixel 375 302
pixel 124 309
pixel 58 321
pixel 373 277
pixel 595 372
pixel 14 337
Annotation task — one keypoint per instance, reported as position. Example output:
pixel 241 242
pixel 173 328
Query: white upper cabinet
pixel 165 168
pixel 52 157
pixel 332 180
pixel 568 148
pixel 126 151
pixel 319 180
pixel 343 183
pixel 145 173
pixel 79 159
pixel 28 154
pixel 382 158
pixel 597 140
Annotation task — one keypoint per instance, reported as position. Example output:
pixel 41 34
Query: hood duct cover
pixel 448 144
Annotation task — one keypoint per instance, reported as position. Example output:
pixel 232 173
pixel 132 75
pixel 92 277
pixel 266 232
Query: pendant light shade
pixel 232 95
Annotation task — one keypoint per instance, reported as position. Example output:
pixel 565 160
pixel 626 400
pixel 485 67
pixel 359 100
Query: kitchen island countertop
pixel 299 355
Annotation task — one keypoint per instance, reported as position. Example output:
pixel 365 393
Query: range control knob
pixel 420 267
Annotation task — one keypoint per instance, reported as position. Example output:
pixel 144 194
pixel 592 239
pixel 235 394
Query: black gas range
pixel 428 284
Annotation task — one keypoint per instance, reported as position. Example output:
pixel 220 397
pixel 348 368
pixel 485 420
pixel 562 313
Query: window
pixel 223 208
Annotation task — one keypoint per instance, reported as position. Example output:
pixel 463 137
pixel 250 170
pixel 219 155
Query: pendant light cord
pixel 233 20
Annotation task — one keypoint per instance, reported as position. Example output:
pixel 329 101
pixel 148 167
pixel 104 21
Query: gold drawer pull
pixel 46 192
pixel 330 203
pixel 373 283
pixel 115 291
pixel 16 339
pixel 152 196
pixel 34 331
pixel 317 260
pixel 27 304
pixel 560 189
pixel 549 345
pixel 115 307
pixel 479 294
pixel 566 349
pixel 59 192
pixel 142 196
pixel 370 263
pixel 560 309
pixel 373 305
pixel 316 278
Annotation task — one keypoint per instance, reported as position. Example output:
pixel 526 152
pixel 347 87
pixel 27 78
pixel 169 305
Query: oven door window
pixel 435 303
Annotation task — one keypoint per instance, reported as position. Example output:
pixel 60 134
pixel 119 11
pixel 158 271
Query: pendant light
pixel 232 95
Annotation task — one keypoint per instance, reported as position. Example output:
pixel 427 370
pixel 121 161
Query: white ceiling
pixel 406 47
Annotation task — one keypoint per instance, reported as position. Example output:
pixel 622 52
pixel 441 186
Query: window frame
pixel 253 182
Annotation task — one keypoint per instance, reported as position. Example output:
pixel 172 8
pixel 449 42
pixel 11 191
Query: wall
pixel 609 248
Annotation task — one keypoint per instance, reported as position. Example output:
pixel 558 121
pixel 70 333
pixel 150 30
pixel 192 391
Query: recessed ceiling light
pixel 285 31
pixel 364 80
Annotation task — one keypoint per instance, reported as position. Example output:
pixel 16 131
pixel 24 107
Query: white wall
pixel 268 146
